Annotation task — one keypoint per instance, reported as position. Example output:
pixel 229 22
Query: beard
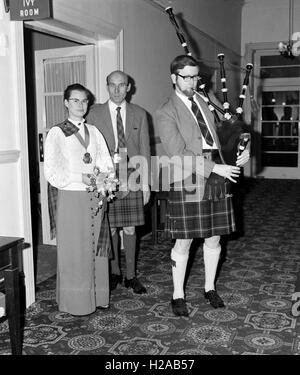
pixel 188 92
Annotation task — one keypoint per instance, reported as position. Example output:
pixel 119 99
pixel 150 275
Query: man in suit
pixel 200 204
pixel 125 128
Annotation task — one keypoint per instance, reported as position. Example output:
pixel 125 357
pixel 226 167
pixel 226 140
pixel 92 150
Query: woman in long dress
pixel 72 150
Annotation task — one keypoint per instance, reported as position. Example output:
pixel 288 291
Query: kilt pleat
pixel 203 219
pixel 128 211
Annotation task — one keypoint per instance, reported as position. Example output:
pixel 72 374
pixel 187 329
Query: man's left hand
pixel 243 158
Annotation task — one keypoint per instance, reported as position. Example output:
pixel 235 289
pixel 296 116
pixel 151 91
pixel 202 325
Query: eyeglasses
pixel 77 101
pixel 188 78
pixel 119 86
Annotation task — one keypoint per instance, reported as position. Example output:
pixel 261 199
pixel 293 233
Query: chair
pixel 10 304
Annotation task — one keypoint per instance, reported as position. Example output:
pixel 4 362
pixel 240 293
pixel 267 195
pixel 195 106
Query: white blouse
pixel 63 158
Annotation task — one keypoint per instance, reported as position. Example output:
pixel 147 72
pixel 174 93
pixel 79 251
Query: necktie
pixel 120 130
pixel 201 122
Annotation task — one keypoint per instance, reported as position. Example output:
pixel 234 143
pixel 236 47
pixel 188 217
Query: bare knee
pixel 130 231
pixel 212 242
pixel 182 247
pixel 113 231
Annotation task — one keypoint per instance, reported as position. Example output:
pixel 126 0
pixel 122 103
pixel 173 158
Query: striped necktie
pixel 201 122
pixel 120 130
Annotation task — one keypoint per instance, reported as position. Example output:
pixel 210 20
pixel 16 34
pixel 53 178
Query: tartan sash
pixel 68 128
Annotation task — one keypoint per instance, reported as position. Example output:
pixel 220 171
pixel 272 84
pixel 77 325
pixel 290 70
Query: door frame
pixel 251 50
pixel 279 84
pixel 88 50
pixel 88 29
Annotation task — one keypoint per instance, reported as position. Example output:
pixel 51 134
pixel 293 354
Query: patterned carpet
pixel 257 278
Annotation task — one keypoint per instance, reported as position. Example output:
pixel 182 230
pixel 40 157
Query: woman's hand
pixel 88 179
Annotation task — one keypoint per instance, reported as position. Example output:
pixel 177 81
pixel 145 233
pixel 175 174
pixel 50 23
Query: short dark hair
pixel 78 87
pixel 182 61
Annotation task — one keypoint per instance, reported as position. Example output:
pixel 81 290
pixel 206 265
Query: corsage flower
pixel 104 185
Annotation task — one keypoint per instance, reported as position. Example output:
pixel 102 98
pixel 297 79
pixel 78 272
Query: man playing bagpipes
pixel 200 203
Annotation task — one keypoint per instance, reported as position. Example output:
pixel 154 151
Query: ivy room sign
pixel 24 10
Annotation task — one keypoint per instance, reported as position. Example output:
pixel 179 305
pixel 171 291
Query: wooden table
pixel 10 269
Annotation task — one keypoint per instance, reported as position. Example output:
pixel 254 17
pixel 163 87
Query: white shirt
pixel 63 158
pixel 113 114
pixel 188 103
pixel 80 126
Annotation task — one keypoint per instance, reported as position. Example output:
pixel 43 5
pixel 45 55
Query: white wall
pixel 10 199
pixel 220 19
pixel 267 21
pixel 14 170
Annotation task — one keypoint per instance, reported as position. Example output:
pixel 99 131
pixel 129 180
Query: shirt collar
pixel 184 98
pixel 113 106
pixel 77 123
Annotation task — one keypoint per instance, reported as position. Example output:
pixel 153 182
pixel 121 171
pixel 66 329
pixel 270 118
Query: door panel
pixel 276 86
pixel 280 132
pixel 55 69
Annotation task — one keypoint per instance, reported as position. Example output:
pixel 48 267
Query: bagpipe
pixel 230 129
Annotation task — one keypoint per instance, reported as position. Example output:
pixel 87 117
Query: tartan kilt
pixel 203 219
pixel 127 211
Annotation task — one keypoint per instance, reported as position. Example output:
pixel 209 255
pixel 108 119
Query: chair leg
pixel 163 209
pixel 11 277
pixel 154 222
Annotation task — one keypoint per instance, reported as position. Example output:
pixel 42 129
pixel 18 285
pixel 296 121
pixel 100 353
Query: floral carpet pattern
pixel 258 275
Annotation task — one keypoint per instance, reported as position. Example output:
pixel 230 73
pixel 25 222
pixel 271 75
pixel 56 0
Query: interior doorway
pixel 47 58
pixel 45 255
pixel 278 124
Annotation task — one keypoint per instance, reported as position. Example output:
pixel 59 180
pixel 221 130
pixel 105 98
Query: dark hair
pixel 78 87
pixel 181 61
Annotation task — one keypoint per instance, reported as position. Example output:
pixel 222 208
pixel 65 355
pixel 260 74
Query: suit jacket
pixel 136 132
pixel 181 136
